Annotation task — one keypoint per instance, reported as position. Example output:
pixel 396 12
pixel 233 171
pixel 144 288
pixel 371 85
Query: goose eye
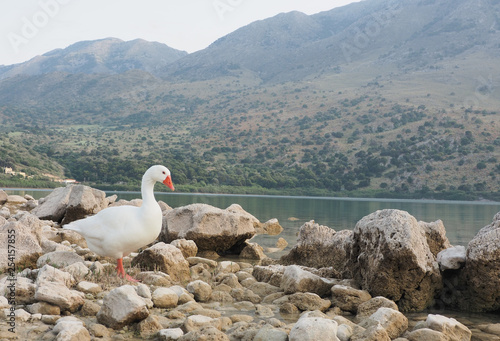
pixel 163 172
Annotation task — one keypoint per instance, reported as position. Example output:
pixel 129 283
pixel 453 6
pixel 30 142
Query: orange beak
pixel 168 183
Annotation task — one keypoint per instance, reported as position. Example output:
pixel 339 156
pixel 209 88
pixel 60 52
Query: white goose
pixel 118 231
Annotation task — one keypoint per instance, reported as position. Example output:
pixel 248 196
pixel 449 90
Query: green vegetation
pixel 233 136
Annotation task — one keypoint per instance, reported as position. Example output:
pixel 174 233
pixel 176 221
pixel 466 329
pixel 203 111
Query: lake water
pixel 462 220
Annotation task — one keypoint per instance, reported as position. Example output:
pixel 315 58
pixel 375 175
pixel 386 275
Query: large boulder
pixel 67 204
pixel 391 257
pixel 482 270
pixel 320 246
pixel 211 228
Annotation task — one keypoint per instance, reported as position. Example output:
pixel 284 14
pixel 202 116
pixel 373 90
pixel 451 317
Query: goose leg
pixel 121 271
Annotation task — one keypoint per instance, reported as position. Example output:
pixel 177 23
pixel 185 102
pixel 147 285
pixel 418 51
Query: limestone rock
pixel 347 298
pixel 252 251
pixel 166 258
pixel 27 231
pixel 170 334
pixel 309 301
pixel 59 259
pixel 394 322
pixel 202 291
pixel 295 279
pixel 391 258
pixel 3 197
pixel 165 298
pixel 121 307
pixel 211 228
pixel 187 247
pixel 70 329
pixel 313 329
pixel 450 327
pixel 52 287
pixel 367 308
pixel 426 334
pixel 320 246
pixel 482 266
pixel 67 204
pixel 452 258
pixel 272 227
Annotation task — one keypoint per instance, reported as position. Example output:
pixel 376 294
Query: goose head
pixel 161 174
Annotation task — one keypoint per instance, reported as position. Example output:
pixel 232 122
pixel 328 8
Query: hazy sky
pixel 34 27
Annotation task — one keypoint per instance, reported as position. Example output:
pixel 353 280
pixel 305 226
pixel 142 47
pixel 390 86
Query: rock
pixel 202 291
pixel 24 290
pixel 436 236
pixel 187 247
pixel 154 278
pixel 44 308
pixel 77 270
pixel 394 323
pixel 272 227
pixel 426 334
pixel 263 289
pixel 391 258
pixel 199 260
pixel 70 329
pixel 90 308
pixel 373 333
pixel 227 266
pixel 205 333
pixel 166 258
pixel 3 197
pixel 121 307
pixel 98 330
pixel 59 259
pixel 309 301
pixel 195 322
pixel 27 230
pixel 295 279
pixel 149 326
pixel 367 308
pixel 268 333
pixel 16 199
pixel 347 298
pixel 313 329
pixel 252 251
pixel 67 204
pixel 211 228
pixel 88 287
pixel 319 246
pixel 482 266
pixel 52 287
pixel 272 274
pixel 165 298
pixel 171 334
pixel 450 327
pixel 452 258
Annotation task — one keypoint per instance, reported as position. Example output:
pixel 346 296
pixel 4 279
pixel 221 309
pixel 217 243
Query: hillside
pixel 277 106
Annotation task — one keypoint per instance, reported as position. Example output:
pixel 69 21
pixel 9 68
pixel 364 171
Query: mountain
pixel 380 95
pixel 105 56
pixel 408 34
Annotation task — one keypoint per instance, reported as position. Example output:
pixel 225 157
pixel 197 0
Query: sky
pixel 34 27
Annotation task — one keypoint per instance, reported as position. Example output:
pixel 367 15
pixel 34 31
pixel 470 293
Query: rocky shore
pixel 372 283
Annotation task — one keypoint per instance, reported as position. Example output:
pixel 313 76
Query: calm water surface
pixel 462 220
